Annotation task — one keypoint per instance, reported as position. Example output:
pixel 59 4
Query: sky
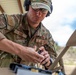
pixel 62 22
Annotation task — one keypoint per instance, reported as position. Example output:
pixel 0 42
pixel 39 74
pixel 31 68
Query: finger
pixel 48 64
pixel 35 47
pixel 42 48
pixel 44 53
pixel 47 56
pixel 46 60
pixel 39 57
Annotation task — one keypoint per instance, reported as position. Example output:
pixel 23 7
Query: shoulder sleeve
pixel 2 21
pixel 2 26
pixel 13 21
pixel 7 23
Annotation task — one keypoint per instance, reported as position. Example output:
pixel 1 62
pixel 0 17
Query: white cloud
pixel 59 22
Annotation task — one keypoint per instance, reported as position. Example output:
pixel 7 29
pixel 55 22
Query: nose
pixel 39 13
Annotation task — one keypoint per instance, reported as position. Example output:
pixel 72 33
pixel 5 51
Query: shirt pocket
pixel 20 37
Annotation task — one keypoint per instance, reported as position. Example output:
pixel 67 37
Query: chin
pixel 36 22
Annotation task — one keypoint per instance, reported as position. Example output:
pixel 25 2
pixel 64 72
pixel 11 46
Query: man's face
pixel 35 16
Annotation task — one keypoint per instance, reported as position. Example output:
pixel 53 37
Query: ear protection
pixel 28 2
pixel 51 8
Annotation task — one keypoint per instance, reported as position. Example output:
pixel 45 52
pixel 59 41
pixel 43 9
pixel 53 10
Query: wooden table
pixel 6 71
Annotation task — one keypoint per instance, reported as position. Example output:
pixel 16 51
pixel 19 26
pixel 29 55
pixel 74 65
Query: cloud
pixel 73 24
pixel 62 22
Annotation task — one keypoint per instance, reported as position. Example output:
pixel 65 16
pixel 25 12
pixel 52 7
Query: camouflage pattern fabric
pixel 16 28
pixel 46 4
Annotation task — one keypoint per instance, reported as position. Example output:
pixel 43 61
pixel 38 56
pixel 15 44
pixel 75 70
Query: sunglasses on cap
pixel 40 9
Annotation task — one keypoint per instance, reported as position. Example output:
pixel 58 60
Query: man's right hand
pixel 26 53
pixel 30 55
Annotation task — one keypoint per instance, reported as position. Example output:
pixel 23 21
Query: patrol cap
pixel 46 4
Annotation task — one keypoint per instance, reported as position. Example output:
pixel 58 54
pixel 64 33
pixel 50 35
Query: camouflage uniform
pixel 17 29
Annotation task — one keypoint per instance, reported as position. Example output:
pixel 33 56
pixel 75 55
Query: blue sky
pixel 62 22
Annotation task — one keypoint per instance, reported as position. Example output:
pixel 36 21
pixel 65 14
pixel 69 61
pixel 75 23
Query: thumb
pixel 42 48
pixel 35 47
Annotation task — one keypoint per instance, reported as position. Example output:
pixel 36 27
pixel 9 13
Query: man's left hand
pixel 46 61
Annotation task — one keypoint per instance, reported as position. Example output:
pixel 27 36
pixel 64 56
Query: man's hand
pixel 30 55
pixel 46 61
pixel 26 53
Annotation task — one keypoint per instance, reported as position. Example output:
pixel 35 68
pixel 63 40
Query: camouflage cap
pixel 46 4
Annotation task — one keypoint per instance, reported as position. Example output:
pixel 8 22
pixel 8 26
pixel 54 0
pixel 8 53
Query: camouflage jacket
pixel 17 29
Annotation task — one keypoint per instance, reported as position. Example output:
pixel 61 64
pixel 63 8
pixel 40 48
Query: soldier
pixel 23 34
